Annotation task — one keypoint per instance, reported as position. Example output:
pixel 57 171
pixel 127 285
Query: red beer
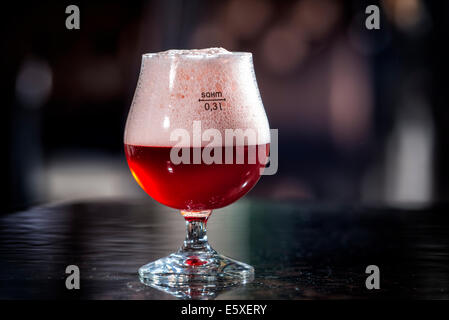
pixel 185 102
pixel 195 186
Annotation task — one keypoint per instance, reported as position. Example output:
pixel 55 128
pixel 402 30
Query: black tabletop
pixel 299 250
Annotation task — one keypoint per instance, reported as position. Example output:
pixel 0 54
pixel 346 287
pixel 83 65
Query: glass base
pixel 196 267
pixel 203 267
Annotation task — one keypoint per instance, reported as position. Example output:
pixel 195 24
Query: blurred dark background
pixel 361 113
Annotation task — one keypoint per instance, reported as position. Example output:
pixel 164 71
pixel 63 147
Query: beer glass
pixel 196 139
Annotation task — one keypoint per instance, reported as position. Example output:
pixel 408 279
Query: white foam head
pixel 175 85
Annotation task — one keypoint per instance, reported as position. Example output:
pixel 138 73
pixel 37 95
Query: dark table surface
pixel 299 250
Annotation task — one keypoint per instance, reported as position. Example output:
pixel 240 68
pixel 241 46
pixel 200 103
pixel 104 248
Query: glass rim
pixel 164 54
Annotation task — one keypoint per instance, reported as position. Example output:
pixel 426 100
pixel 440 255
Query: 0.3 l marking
pixel 212 100
pixel 212 106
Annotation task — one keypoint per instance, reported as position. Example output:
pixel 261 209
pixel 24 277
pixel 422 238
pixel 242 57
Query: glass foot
pixel 196 263
pixel 187 268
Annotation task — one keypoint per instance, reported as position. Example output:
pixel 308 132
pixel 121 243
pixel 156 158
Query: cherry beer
pixel 197 138
pixel 194 186
pixel 215 87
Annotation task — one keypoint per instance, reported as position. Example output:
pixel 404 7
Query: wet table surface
pixel 299 250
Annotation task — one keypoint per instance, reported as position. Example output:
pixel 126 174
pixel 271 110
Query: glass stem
pixel 196 235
